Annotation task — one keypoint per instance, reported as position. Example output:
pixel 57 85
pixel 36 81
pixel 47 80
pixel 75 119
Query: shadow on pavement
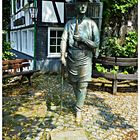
pixel 110 120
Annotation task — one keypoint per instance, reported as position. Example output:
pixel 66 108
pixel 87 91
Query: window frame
pixel 28 48
pixel 56 54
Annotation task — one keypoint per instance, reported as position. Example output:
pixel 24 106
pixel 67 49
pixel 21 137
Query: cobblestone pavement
pixel 105 117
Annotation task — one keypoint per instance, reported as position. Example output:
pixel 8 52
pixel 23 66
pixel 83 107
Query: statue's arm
pixel 96 34
pixel 63 46
pixel 94 43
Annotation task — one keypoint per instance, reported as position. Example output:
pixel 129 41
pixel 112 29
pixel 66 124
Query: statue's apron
pixel 79 64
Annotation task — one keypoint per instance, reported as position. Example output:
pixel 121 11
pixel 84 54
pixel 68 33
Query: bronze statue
pixel 80 39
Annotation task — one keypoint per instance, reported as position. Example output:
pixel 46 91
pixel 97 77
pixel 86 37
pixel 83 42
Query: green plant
pixel 114 70
pixel 6 54
pixel 124 5
pixel 128 49
pixel 100 68
pixel 131 44
pixel 115 10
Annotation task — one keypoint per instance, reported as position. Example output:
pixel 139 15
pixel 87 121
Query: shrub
pixel 114 49
pixel 128 49
pixel 6 54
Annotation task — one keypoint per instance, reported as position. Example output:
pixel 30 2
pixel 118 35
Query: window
pixel 28 41
pixel 22 3
pixel 18 4
pixel 54 39
pixel 12 40
pixel 31 42
pixel 16 40
pixel 24 40
pixel 49 12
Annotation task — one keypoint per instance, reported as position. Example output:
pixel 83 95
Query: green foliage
pixel 117 7
pixel 115 70
pixel 131 44
pixel 6 14
pixel 6 54
pixel 100 68
pixel 114 49
pixel 114 12
pixel 124 5
pixel 129 70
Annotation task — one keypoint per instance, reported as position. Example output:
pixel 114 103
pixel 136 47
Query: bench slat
pixel 11 68
pixel 127 76
pixel 127 59
pixel 112 61
pixel 126 63
pixel 118 62
pixel 16 66
pixel 7 62
pixel 108 58
pixel 105 62
pixel 105 75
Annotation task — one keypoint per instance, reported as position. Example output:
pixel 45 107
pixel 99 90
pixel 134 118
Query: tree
pixel 117 11
pixel 6 14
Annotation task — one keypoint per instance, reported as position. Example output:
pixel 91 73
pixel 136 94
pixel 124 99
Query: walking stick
pixel 62 86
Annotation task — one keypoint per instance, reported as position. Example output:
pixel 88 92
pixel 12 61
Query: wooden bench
pixel 17 67
pixel 115 61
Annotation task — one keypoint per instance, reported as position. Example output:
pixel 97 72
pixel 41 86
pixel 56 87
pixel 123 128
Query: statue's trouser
pixel 80 90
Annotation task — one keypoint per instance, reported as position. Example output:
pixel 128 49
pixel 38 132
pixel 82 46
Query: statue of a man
pixel 80 39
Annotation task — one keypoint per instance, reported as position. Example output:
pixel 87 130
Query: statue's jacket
pixel 79 56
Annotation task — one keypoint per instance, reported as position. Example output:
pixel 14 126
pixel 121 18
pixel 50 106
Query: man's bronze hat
pixel 83 0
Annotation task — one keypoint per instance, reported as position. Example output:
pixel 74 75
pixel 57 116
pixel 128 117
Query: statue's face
pixel 81 7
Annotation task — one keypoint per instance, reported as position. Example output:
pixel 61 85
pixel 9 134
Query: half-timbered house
pixel 39 40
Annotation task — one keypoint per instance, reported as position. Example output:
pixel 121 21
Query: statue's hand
pixel 77 38
pixel 63 60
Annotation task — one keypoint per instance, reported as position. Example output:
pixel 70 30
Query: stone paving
pixel 105 117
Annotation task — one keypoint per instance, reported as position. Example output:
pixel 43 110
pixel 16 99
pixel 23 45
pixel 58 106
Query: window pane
pixel 18 4
pixel 53 49
pixel 14 6
pixel 59 33
pixel 58 48
pixel 24 37
pixel 16 40
pixel 58 41
pixel 52 41
pixel 22 3
pixel 32 40
pixel 52 33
